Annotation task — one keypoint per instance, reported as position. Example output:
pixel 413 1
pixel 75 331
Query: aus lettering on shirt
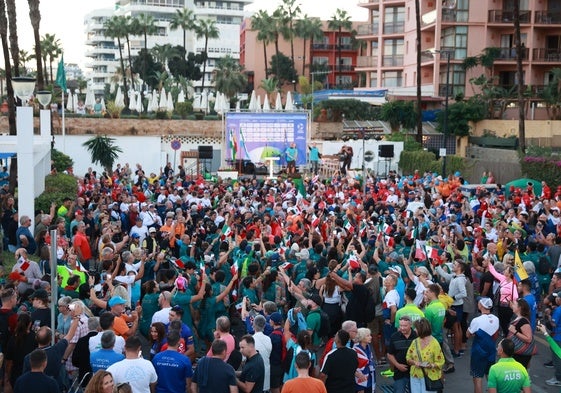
pixel 513 376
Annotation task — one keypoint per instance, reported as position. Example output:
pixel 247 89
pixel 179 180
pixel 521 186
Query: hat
pixel 152 230
pixel 295 247
pixel 40 294
pixel 181 283
pixel 138 218
pixel 79 211
pixel 116 300
pixel 470 229
pixel 486 302
pixel 276 317
pixel 135 236
pixel 396 269
pixel 303 254
pixel 316 299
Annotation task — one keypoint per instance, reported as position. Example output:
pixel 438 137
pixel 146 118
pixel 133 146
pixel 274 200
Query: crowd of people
pixel 167 283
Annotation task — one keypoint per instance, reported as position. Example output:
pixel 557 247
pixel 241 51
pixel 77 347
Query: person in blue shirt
pixel 106 356
pixel 314 157
pixel 291 157
pixel 525 287
pixel 174 369
pixel 4 176
pixel 175 314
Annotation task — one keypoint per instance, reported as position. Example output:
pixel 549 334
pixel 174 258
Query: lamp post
pixel 44 97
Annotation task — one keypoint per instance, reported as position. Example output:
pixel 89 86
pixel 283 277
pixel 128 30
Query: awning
pixel 4 156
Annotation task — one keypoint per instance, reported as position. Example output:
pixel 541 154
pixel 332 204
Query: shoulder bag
pixel 430 384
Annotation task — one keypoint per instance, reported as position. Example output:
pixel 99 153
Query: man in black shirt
pixel 36 380
pixel 338 370
pixel 397 351
pixel 253 372
pixel 355 307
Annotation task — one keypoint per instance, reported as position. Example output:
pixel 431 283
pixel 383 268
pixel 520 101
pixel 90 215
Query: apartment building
pixel 459 29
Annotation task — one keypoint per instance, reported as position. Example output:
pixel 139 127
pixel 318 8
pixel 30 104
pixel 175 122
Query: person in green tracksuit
pixel 409 308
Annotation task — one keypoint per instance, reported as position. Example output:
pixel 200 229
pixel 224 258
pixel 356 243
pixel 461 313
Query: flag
pixel 61 74
pixel 353 261
pixel 226 232
pixel 286 265
pixel 413 233
pixel 315 220
pixel 363 228
pixel 432 253
pixel 234 268
pixel 233 145
pixel 349 227
pixel 520 272
pixel 387 229
pixel 390 241
pixel 81 267
pixel 178 263
pixel 242 139
pixel 420 254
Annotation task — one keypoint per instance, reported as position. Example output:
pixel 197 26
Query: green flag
pixel 61 74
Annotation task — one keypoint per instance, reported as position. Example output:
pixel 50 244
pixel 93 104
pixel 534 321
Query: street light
pixel 443 152
pixel 23 88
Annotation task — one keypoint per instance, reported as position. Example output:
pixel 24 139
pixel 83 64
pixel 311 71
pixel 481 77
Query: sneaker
pixel 548 365
pixel 387 374
pixel 553 382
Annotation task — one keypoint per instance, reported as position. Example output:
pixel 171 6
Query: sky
pixel 65 19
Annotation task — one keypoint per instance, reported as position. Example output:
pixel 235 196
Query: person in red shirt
pixel 82 245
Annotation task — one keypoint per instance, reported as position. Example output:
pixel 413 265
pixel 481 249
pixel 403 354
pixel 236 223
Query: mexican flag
pixel 348 226
pixel 420 253
pixel 226 232
pixel 315 220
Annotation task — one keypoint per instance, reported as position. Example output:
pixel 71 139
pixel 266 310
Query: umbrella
pixel 225 104
pixel 132 100
pixel 289 104
pixel 69 103
pixel 258 104
pixel 90 98
pixel 103 104
pixel 278 102
pixel 181 97
pixel 253 102
pixel 139 107
pixel 204 102
pixel 163 99
pixel 218 103
pixel 154 101
pixel 238 106
pixel 170 106
pixel 266 105
pixel 119 98
pixel 75 100
pixel 523 184
pixel 197 103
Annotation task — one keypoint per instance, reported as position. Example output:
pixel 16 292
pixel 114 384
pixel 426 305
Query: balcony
pixel 546 54
pixel 342 68
pixel 547 18
pixel 500 16
pixel 368 29
pixel 392 61
pixel 510 54
pixel 367 61
pixel 394 28
pixel 453 91
pixel 344 47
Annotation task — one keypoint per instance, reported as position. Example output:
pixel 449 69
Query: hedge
pixel 425 161
pixel 57 187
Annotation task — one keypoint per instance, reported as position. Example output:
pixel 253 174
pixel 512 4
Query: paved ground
pixel 461 382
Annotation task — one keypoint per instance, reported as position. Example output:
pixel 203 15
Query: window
pixel 393 53
pixel 394 20
pixel 391 79
pixel 373 79
pixel 455 38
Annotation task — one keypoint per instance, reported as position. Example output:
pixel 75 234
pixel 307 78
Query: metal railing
pixel 368 29
pixel 500 16
pixel 367 61
pixel 392 61
pixel 547 17
pixel 510 54
pixel 394 28
pixel 546 54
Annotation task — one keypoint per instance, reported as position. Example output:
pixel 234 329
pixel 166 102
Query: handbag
pixel 431 385
pixel 523 348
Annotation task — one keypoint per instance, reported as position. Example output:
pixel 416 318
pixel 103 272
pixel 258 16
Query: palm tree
pixel 229 77
pixel 183 19
pixel 520 77
pixel 144 24
pixel 206 28
pixel 7 71
pixel 13 37
pixel 35 17
pixel 131 28
pixel 308 29
pixel 103 151
pixel 50 49
pixel 24 57
pixel 339 21
pixel 291 11
pixel 279 22
pixel 162 53
pixel 262 22
pixel 115 28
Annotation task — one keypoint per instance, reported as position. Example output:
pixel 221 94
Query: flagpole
pixel 63 125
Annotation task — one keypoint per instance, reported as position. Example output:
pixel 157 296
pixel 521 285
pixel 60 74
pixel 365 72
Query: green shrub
pixel 212 117
pixel 183 109
pixel 542 168
pixel 425 161
pixel 409 142
pixel 162 115
pixel 61 161
pixel 57 187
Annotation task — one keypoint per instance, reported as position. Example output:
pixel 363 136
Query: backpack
pixel 543 266
pixel 283 353
pixel 324 326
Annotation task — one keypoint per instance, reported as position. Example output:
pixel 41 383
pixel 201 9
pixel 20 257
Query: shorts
pixel 277 376
pixel 479 367
pixel 459 312
pixel 291 164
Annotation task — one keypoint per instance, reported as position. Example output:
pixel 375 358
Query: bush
pixel 57 187
pixel 162 115
pixel 425 161
pixel 542 168
pixel 409 142
pixel 113 110
pixel 61 161
pixel 211 117
pixel 183 109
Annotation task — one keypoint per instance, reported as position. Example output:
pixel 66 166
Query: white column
pixel 26 177
pixel 45 116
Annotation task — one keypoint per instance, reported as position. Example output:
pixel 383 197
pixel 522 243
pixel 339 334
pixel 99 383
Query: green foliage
pixel 162 115
pixel 103 151
pixel 57 187
pixel 425 161
pixel 269 85
pixel 61 161
pixel 399 114
pixel 183 109
pixel 229 77
pixel 552 95
pixel 212 117
pixel 409 142
pixel 542 168
pixel 351 108
pixel 189 68
pixel 113 110
pixel 459 115
pixel 283 68
pixel 145 65
pixel 539 151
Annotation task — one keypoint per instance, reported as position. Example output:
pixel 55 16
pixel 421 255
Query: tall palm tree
pixel 520 77
pixel 35 17
pixel 229 77
pixel 115 28
pixel 291 11
pixel 7 72
pixel 308 29
pixel 144 25
pixel 262 22
pixel 183 19
pixel 339 21
pixel 24 57
pixel 419 122
pixel 50 50
pixel 206 28
pixel 13 35
pixel 103 151
pixel 130 28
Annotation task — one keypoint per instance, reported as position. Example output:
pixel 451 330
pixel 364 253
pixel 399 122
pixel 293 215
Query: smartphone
pixel 36 325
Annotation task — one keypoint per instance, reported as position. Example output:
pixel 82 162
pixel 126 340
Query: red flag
pixel 24 266
pixel 234 269
pixel 419 252
pixel 286 265
pixel 353 262
pixel 315 220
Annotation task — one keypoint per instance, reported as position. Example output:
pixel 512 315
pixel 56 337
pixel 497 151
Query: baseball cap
pixel 78 212
pixel 396 269
pixel 276 317
pixel 486 302
pixel 316 299
pixel 116 300
pixel 152 230
pixel 135 236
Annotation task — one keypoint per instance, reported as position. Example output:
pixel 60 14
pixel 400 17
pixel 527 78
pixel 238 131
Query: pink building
pixel 464 28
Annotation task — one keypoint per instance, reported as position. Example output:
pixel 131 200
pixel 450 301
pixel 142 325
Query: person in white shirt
pixel 134 369
pixel 165 306
pixel 264 346
pixel 140 229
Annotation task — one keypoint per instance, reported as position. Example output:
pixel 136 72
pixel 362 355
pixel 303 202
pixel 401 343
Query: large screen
pixel 256 136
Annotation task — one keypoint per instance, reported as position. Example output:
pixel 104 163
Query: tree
pixel 398 114
pixel 147 68
pixel 291 11
pixel 519 77
pixel 552 95
pixel 165 53
pixel 460 114
pixel 263 23
pixel 188 68
pixel 103 151
pixel 283 69
pixel 14 44
pixel 116 27
pixel 24 57
pixel 184 19
pixel 229 77
pixel 419 120
pixel 144 25
pixel 308 29
pixel 206 28
pixel 35 17
pixel 339 21
pixel 50 50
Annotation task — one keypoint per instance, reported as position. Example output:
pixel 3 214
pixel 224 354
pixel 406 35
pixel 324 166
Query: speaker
pixel 205 152
pixel 385 151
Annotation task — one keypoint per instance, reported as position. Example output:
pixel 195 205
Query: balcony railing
pixel 510 54
pixel 546 54
pixel 547 18
pixel 394 28
pixel 452 90
pixel 500 16
pixel 392 61
pixel 332 47
pixel 368 29
pixel 342 68
pixel 367 61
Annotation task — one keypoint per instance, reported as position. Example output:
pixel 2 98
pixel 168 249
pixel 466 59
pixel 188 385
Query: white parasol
pixel 170 106
pixel 103 108
pixel 181 97
pixel 69 102
pixel 119 98
pixel 90 98
pixel 139 105
pixel 289 105
pixel 154 101
pixel 75 100
pixel 132 100
pixel 225 104
pixel 163 99
pixel 218 103
pixel 266 105
pixel 253 102
pixel 258 107
pixel 278 102
pixel 197 103
pixel 238 106
pixel 204 102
